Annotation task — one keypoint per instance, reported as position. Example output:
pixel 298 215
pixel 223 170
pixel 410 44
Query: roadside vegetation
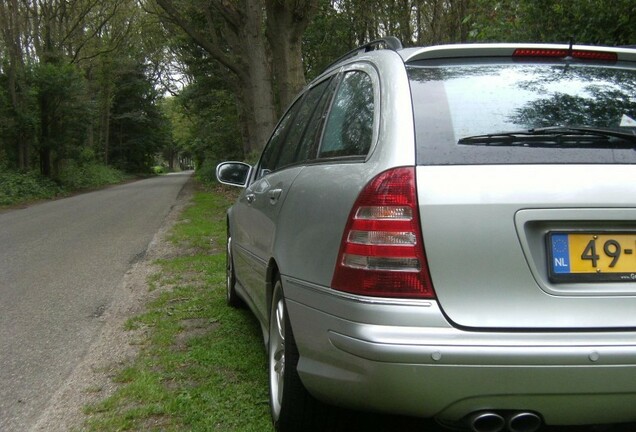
pixel 136 84
pixel 18 188
pixel 202 366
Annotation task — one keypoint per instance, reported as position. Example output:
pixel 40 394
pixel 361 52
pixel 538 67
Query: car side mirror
pixel 233 173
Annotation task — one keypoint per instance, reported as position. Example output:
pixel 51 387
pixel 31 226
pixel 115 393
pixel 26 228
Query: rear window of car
pixel 482 113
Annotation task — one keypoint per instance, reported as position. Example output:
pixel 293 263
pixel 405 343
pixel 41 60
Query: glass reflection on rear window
pixel 452 102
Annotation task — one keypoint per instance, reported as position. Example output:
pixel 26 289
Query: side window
pixel 311 138
pixel 295 148
pixel 273 149
pixel 349 128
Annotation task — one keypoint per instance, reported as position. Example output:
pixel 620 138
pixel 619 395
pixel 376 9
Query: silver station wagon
pixel 447 232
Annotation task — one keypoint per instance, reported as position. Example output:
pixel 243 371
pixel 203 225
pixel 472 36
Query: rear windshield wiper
pixel 557 136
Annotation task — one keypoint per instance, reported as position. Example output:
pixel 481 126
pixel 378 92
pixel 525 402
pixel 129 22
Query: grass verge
pixel 202 366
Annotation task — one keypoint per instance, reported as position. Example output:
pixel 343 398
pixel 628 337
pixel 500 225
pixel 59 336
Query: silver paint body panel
pixel 499 335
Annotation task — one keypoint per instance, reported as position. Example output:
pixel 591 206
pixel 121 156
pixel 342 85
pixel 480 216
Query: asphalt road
pixel 60 263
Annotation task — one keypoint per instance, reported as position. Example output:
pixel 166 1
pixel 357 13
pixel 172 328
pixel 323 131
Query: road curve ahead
pixel 60 263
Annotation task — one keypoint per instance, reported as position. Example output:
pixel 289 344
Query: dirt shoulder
pixel 91 380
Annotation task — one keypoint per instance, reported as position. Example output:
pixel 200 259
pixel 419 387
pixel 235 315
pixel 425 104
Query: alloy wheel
pixel 277 356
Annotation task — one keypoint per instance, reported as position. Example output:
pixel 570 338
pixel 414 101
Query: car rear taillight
pixel 382 252
pixel 562 53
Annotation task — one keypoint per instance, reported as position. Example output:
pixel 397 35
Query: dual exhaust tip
pixel 488 421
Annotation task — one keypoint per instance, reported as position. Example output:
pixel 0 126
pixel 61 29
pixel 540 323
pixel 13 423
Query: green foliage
pixel 18 123
pixel 18 187
pixel 98 99
pixel 206 173
pixel 138 128
pixel 68 85
pixel 7 123
pixel 75 176
pixel 181 129
pixel 605 22
pixel 327 37
pixel 158 169
pixel 64 108
pixel 207 123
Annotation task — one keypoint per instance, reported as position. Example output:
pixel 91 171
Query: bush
pixel 16 187
pixel 206 173
pixel 20 187
pixel 75 176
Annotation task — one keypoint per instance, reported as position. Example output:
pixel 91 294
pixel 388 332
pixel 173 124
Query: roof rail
pixel 387 42
pixel 391 42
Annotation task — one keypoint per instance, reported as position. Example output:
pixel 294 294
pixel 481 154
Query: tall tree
pixel 605 22
pixel 138 128
pixel 248 37
pixel 286 23
pixel 420 22
pixel 60 65
pixel 13 24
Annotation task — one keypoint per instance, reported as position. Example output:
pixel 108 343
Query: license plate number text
pixel 586 257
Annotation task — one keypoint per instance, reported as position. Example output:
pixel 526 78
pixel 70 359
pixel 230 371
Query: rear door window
pixel 311 138
pixel 297 148
pixel 294 139
pixel 274 148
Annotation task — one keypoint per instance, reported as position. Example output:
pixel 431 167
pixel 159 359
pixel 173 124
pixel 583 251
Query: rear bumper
pixel 404 357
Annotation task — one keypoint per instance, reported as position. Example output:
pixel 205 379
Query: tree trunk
pixel 46 115
pixel 404 14
pixel 45 136
pixel 17 103
pixel 11 26
pixel 259 94
pixel 286 23
pixel 105 123
pixel 249 60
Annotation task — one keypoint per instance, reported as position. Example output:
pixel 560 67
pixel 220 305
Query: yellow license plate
pixel 592 257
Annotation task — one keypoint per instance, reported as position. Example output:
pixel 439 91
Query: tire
pixel 293 409
pixel 232 297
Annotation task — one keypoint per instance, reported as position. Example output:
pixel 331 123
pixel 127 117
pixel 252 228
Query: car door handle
pixel 274 194
pixel 250 198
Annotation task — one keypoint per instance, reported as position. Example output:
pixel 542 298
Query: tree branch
pixel 228 12
pixel 200 39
